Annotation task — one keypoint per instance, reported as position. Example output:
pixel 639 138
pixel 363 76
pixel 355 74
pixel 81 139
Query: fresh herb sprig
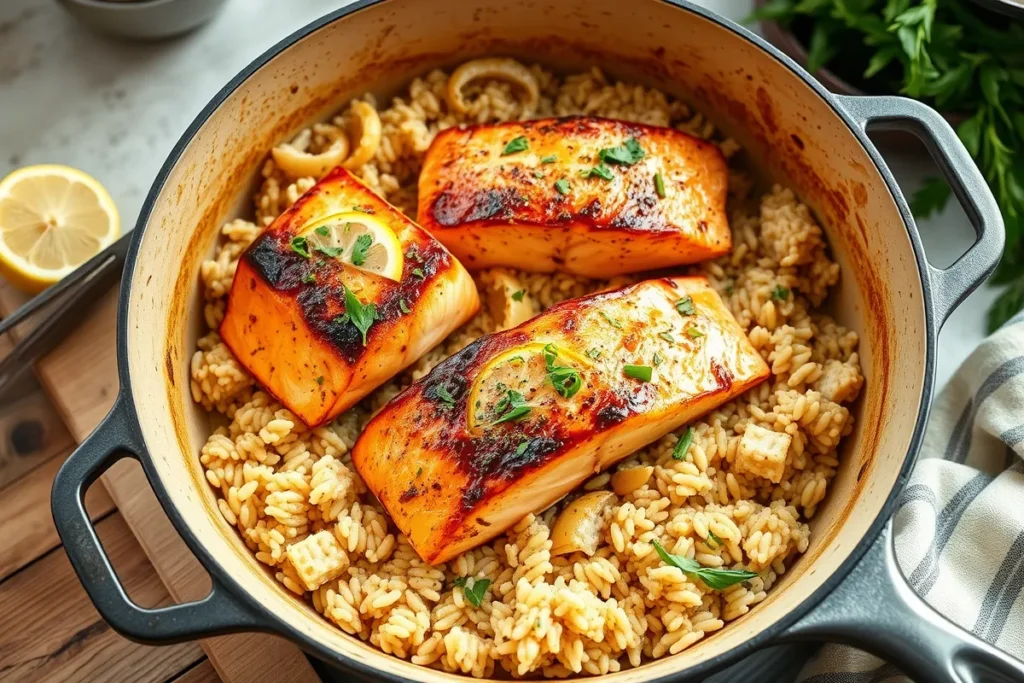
pixel 953 55
pixel 564 379
pixel 359 314
pixel 474 593
pixel 713 578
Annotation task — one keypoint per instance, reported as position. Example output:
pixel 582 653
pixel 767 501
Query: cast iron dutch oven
pixel 847 587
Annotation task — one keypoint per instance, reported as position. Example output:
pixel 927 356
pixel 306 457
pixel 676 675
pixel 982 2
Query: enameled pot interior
pixel 787 128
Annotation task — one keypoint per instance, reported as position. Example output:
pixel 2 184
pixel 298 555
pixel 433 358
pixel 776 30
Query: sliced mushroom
pixel 493 67
pixel 292 158
pixel 369 130
pixel 630 479
pixel 578 527
pixel 508 301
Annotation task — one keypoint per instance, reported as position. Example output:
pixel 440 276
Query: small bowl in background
pixel 143 19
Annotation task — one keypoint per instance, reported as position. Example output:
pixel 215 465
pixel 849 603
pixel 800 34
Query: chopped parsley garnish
pixel 418 272
pixel 442 393
pixel 320 379
pixel 659 184
pixel 359 249
pixel 475 593
pixel 780 293
pixel 593 353
pixel 538 175
pixel 611 321
pixel 549 159
pixel 640 372
pixel 309 278
pixel 656 359
pixel 411 252
pixel 626 154
pixel 562 186
pixel 512 407
pixel 333 252
pixel 521 448
pixel 713 541
pixel 419 471
pixel 601 171
pixel 685 306
pixel 565 380
pixel 683 445
pixel 694 332
pixel 403 307
pixel 516 144
pixel 518 296
pixel 667 336
pixel 361 315
pixel 342 319
pixel 300 246
pixel 713 577
pixel 323 231
pixel 362 208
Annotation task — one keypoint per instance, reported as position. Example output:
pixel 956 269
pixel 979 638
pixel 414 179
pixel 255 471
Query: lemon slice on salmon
pixel 52 220
pixel 526 381
pixel 358 239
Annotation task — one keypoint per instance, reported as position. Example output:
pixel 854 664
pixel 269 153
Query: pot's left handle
pixel 875 609
pixel 219 612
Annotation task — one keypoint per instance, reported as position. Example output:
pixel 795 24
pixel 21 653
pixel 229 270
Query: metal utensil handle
pixel 876 610
pixel 949 286
pixel 218 613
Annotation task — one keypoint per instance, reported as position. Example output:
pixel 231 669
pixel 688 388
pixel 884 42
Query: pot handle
pixel 949 286
pixel 218 613
pixel 875 609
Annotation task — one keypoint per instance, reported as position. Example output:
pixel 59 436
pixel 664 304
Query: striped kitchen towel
pixel 959 526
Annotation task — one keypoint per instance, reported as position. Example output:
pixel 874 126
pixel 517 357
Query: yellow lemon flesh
pixel 52 220
pixel 359 240
pixel 522 371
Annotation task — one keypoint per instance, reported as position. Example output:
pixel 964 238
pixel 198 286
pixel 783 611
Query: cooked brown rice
pixel 300 506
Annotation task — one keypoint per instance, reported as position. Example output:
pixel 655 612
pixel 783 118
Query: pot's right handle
pixel 219 612
pixel 949 286
pixel 875 609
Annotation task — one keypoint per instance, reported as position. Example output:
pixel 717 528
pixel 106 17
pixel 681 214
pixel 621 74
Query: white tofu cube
pixel 762 453
pixel 317 559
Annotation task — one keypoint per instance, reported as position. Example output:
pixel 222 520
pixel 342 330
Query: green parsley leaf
pixel 659 185
pixel 601 171
pixel 713 541
pixel 685 306
pixel 309 278
pixel 640 372
pixel 320 380
pixel 593 353
pixel 780 293
pixel 713 578
pixel 694 332
pixel 300 246
pixel 332 252
pixel 521 448
pixel 442 393
pixel 475 593
pixel 403 307
pixel 656 359
pixel 538 175
pixel 562 186
pixel 549 159
pixel 342 319
pixel 516 144
pixel 611 321
pixel 683 445
pixel 359 249
pixel 362 315
pixel 667 336
pixel 411 253
pixel 323 231
pixel 518 296
pixel 418 272
pixel 564 379
pixel 627 154
pixel 512 407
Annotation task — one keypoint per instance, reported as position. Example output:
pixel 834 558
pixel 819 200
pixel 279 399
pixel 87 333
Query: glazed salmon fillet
pixel 338 295
pixel 590 196
pixel 519 418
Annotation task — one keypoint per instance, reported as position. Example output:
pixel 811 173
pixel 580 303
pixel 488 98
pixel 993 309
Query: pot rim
pixel 329 655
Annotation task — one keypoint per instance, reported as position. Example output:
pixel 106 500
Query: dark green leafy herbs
pixel 418 272
pixel 954 55
pixel 403 307
pixel 332 252
pixel 412 253
pixel 516 144
pixel 300 246
pixel 667 336
pixel 683 445
pixel 511 407
pixel 593 353
pixel 562 186
pixel 657 359
pixel 601 171
pixel 640 372
pixel 611 321
pixel 323 231
pixel 445 396
pixel 361 315
pixel 626 154
pixel 359 249
pixel 521 448
pixel 475 593
pixel 565 380
pixel 780 293
pixel 309 278
pixel 518 296
pixel 685 306
pixel 713 541
pixel 659 185
pixel 549 159
pixel 713 578
pixel 694 332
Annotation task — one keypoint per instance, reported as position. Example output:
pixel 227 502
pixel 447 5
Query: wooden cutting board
pixel 80 376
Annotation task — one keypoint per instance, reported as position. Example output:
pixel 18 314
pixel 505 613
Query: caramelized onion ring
pixel 369 134
pixel 297 163
pixel 493 67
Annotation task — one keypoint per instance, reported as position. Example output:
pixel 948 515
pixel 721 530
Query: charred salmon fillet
pixel 339 294
pixel 589 196
pixel 517 419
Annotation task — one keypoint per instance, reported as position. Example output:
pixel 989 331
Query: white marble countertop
pixel 115 109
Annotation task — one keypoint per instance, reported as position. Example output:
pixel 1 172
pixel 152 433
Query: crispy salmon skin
pixel 518 418
pixel 320 333
pixel 590 196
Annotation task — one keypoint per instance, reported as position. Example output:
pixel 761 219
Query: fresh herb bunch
pixel 953 55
